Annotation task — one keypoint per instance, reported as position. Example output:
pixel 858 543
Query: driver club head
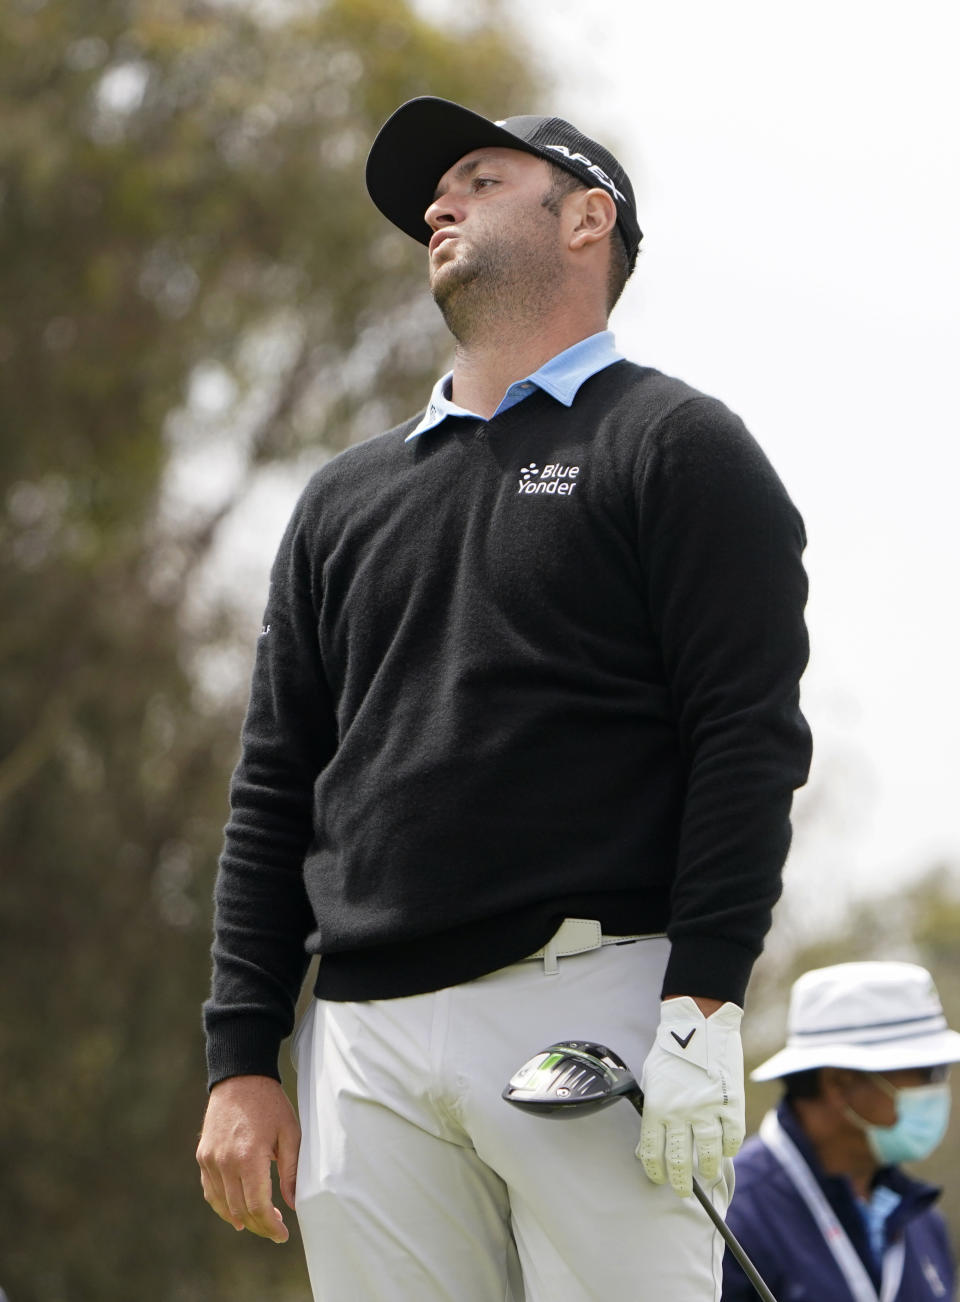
pixel 572 1076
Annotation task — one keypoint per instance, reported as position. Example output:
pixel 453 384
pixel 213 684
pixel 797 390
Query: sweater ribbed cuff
pixel 242 1046
pixel 708 967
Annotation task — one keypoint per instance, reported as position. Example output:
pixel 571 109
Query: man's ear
pixel 593 214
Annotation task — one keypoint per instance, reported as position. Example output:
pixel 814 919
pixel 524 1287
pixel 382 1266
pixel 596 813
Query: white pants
pixel 417 1183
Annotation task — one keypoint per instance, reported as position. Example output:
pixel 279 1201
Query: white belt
pixel 578 936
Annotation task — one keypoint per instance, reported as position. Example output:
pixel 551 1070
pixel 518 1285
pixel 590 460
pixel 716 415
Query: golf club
pixel 577 1077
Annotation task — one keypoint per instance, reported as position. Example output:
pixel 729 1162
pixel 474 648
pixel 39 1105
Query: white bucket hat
pixel 866 1016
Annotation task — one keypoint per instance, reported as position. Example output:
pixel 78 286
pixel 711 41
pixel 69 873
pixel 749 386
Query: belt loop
pixel 550 965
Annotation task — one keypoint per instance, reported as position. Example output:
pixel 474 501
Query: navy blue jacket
pixel 779 1234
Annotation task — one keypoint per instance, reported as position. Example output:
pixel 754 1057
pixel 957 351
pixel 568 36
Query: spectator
pixel 821 1205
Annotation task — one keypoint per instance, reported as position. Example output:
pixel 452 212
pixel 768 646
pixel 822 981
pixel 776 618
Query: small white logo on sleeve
pixel 937 1286
pixel 554 480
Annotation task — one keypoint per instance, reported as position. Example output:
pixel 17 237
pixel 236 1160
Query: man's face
pixel 494 242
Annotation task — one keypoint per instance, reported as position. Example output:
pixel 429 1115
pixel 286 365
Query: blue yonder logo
pixel 554 479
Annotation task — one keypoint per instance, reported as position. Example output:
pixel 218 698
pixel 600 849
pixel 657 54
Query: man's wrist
pixel 706 1006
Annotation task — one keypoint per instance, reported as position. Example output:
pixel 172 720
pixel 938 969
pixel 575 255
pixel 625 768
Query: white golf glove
pixel 693 1095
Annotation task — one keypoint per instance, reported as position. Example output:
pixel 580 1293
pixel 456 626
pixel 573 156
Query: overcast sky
pixel 798 179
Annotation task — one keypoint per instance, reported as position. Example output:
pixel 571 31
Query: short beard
pixel 459 292
pixel 501 280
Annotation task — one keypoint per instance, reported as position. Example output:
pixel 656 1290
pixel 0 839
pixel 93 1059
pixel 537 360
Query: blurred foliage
pixel 919 923
pixel 190 268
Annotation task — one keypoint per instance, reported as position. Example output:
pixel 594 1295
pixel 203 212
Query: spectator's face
pixel 876 1104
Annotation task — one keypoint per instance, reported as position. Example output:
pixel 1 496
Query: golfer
pixel 822 1206
pixel 518 764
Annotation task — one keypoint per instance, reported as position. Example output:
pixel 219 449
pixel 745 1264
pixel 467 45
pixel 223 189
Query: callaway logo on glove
pixel 693 1094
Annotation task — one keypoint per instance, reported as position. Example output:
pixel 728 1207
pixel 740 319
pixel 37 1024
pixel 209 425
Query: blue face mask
pixel 922 1115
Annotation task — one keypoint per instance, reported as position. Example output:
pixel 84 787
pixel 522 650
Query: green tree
pixel 195 289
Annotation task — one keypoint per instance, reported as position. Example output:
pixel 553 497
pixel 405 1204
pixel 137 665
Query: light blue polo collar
pixel 561 377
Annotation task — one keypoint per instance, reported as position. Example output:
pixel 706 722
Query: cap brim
pixel 413 149
pixel 924 1051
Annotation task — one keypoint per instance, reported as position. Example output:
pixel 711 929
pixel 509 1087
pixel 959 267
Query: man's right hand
pixel 250 1123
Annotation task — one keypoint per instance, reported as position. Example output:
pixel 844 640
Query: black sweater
pixel 512 671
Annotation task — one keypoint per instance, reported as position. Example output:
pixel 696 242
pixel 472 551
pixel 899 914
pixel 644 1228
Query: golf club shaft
pixel 730 1239
pixel 728 1236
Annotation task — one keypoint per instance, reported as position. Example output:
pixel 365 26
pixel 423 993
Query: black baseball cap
pixel 426 136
